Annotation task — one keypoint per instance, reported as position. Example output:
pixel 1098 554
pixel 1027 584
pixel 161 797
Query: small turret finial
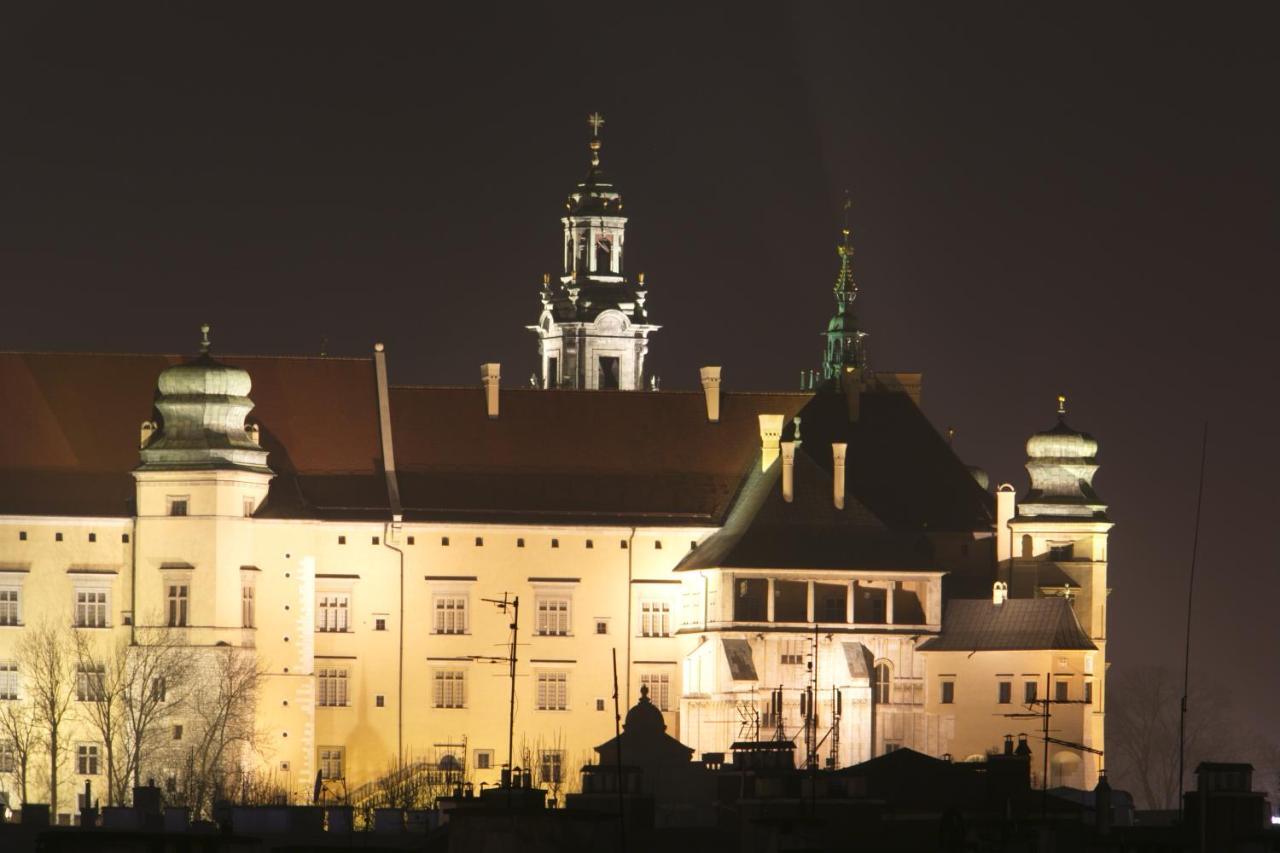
pixel 848 203
pixel 1062 405
pixel 204 338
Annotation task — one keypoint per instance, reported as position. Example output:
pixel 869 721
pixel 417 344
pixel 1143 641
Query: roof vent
pixel 838 450
pixel 999 592
pixel 489 376
pixel 788 470
pixel 711 388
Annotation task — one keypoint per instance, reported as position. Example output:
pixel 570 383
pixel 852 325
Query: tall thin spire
pixel 845 346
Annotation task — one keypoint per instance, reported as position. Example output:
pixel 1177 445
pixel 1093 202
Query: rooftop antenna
pixel 513 603
pixel 1191 586
pixel 617 739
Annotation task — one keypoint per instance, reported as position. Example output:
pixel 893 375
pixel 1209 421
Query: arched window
pixel 882 682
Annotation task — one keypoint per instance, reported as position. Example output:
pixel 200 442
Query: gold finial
pixel 1062 405
pixel 546 279
pixel 596 121
pixel 642 279
pixel 204 337
pixel 848 203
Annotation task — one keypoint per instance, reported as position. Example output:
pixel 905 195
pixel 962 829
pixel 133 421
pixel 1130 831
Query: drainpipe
pixel 393 527
pixel 631 549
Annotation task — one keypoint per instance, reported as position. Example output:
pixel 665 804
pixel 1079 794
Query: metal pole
pixel 1044 778
pixel 511 709
pixel 617 739
pixel 1191 586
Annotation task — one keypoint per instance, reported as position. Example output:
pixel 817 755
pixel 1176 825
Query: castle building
pixel 817 566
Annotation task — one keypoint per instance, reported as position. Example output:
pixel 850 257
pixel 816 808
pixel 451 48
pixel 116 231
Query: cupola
pixel 1061 462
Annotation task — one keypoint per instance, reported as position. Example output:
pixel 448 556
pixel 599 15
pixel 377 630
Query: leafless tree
pixel 1143 708
pixel 46 659
pixel 20 732
pixel 220 710
pixel 140 686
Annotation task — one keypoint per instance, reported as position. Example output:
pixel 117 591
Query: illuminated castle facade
pixel 750 558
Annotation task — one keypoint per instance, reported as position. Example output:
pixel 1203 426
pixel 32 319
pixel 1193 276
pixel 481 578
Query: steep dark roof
pixel 1016 625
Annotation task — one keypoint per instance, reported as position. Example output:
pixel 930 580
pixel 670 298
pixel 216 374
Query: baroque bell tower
pixel 593 332
pixel 846 344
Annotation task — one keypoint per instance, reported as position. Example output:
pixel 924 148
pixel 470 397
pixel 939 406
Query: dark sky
pixel 1076 199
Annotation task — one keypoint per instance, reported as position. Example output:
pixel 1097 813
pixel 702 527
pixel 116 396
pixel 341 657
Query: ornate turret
pixel 594 326
pixel 846 345
pixel 1061 463
pixel 203 405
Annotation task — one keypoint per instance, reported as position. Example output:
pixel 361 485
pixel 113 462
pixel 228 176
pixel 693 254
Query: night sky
pixel 1074 200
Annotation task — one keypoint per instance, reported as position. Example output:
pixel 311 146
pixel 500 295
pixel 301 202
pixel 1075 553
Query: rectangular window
pixel 659 685
pixel 158 689
pixel 484 759
pixel 380 624
pixel 8 758
pixel 331 762
pixel 1005 692
pixel 890 746
pixel 177 605
pixel 750 600
pixel 791 652
pixel 332 613
pixel 91 608
pixel 553 617
pixel 655 619
pixel 178 505
pixel 87 759
pixel 89 683
pixel 451 615
pixel 332 687
pixel 450 689
pixel 249 505
pixel 1061 691
pixel 830 602
pixel 553 691
pixel 248 612
pixel 551 765
pixel 553 372
pixel 1030 692
pixel 790 601
pixel 1088 693
pixel 610 373
pixel 8 680
pixel 177 732
pixel 9 606
pixel 948 692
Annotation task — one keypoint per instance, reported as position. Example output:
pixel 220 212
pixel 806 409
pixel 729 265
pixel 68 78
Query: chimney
pixel 838 449
pixel 851 387
pixel 770 435
pixel 148 429
pixel 489 376
pixel 788 470
pixel 255 433
pixel 1004 514
pixel 1008 744
pixel 999 592
pixel 711 388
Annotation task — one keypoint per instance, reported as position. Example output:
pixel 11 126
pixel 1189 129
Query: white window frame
pixel 248 604
pixel 177 601
pixel 450 613
pixel 10 604
pixel 552 690
pixel 332 687
pixel 88 759
pixel 98 612
pixel 655 617
pixel 332 762
pixel 659 684
pixel 449 689
pixel 10 681
pixel 88 687
pixel 554 614
pixel 333 611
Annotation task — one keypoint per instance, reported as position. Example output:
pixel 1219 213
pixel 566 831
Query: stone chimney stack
pixel 999 593
pixel 1005 509
pixel 788 471
pixel 489 376
pixel 711 388
pixel 838 450
pixel 770 436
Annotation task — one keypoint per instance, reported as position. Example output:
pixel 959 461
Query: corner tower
pixel 594 328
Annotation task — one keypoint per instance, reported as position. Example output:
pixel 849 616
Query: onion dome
pixel 595 194
pixel 203 405
pixel 1062 462
pixel 644 717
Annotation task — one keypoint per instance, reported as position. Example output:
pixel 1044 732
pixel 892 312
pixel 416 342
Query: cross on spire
pixel 596 121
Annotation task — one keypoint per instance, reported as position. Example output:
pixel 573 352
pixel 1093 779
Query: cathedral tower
pixel 594 328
